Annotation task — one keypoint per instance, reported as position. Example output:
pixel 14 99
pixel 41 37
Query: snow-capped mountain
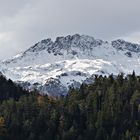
pixel 53 66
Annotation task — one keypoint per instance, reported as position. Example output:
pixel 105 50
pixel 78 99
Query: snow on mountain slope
pixel 52 67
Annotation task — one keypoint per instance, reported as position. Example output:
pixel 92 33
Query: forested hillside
pixel 8 89
pixel 108 109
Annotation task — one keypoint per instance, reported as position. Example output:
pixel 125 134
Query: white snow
pixel 67 56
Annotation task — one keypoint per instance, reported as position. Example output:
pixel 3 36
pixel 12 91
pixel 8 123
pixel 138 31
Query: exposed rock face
pixel 53 66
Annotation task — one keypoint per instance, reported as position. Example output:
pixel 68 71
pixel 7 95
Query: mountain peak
pixel 68 44
pixel 124 45
pixel 70 60
pixel 40 45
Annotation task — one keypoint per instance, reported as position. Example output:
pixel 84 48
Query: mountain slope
pixel 52 67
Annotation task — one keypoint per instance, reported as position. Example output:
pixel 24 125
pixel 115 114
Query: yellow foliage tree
pixel 2 126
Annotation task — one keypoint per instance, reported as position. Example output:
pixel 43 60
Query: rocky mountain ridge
pixel 54 66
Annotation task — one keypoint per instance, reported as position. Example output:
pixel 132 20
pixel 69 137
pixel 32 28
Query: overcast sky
pixel 25 22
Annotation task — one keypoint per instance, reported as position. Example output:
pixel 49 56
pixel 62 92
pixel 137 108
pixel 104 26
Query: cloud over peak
pixel 25 22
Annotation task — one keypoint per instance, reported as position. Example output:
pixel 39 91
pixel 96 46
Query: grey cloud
pixel 9 8
pixel 28 21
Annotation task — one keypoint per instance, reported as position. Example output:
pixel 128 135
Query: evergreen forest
pixel 107 109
